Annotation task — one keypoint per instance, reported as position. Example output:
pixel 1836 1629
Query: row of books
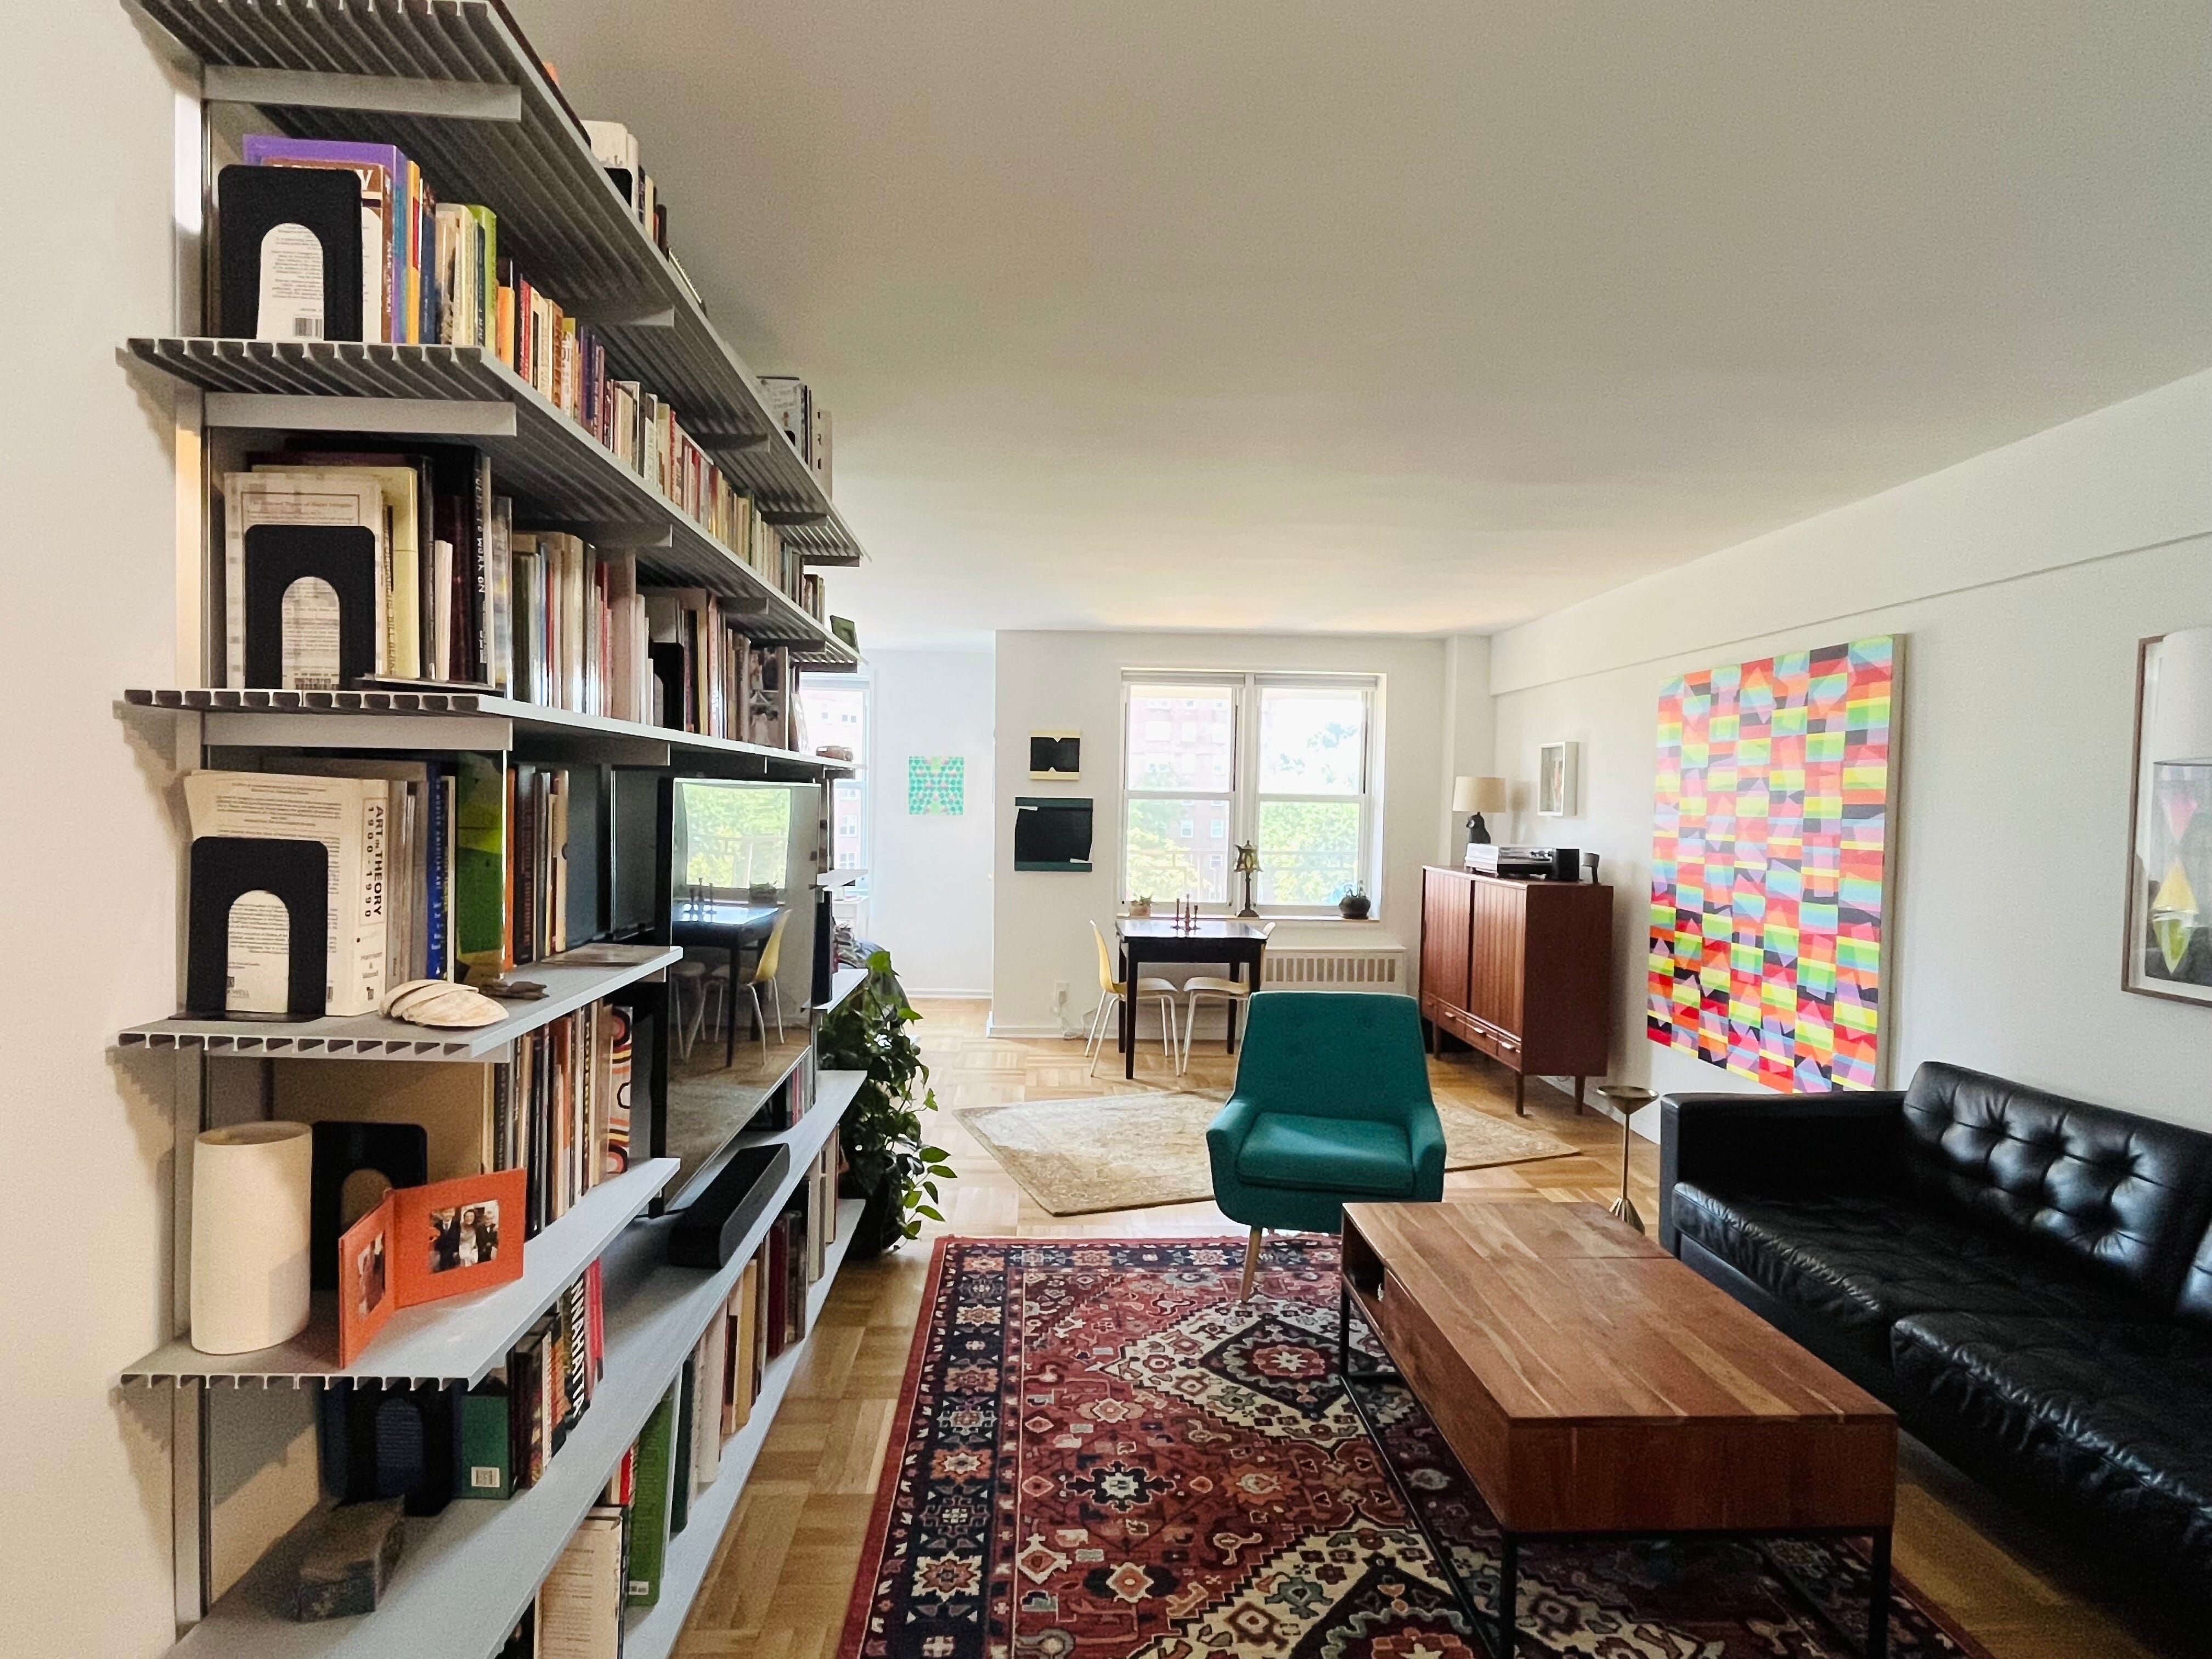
pixel 432 274
pixel 460 595
pixel 433 864
pixel 617 1558
pixel 793 1098
pixel 566 1117
pixel 711 679
pixel 520 1416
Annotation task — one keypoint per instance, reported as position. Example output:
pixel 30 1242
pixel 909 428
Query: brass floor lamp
pixel 1626 1098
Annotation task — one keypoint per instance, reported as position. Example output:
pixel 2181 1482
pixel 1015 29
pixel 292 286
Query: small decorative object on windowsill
pixel 1247 866
pixel 1355 904
pixel 1476 796
pixel 1141 905
pixel 1628 1098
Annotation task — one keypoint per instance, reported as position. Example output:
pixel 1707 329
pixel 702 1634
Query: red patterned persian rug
pixel 1101 1454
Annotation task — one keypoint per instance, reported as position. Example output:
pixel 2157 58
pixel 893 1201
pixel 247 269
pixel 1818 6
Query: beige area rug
pixel 1126 1151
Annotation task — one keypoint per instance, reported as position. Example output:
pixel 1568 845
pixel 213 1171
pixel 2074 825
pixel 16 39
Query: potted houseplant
pixel 1141 905
pixel 887 1163
pixel 1354 904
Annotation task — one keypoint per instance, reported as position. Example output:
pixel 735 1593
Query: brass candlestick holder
pixel 1626 1098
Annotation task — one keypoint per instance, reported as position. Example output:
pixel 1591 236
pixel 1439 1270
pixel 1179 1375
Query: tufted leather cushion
pixel 2110 1417
pixel 2128 1195
pixel 1859 1261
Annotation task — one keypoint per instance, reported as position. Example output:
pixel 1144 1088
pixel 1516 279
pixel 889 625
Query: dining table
pixel 731 925
pixel 1241 944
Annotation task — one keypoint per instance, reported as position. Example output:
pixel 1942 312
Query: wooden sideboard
pixel 1522 970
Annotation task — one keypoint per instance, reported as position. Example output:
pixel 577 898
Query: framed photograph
pixel 366 1294
pixel 1556 765
pixel 1056 755
pixel 454 1236
pixel 2169 941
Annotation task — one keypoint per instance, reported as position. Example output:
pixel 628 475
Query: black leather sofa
pixel 2027 1279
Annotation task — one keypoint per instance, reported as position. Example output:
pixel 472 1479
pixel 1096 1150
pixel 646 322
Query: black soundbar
pixel 708 1232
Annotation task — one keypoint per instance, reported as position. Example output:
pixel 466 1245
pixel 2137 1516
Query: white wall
pixel 929 878
pixel 88 864
pixel 2020 581
pixel 1073 682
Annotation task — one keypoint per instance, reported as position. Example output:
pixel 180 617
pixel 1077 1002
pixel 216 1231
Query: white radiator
pixel 1346 968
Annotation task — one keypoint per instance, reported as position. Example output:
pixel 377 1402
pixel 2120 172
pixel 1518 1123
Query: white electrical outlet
pixel 1060 994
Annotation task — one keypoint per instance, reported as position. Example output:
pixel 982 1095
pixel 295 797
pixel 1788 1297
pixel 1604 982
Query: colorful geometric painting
pixel 936 785
pixel 1769 863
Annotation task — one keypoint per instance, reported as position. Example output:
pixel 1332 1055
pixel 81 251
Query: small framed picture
pixel 1056 755
pixel 366 1296
pixel 2170 861
pixel 1556 766
pixel 453 1237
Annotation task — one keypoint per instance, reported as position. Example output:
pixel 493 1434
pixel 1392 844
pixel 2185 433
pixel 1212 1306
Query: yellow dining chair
pixel 1112 993
pixel 764 973
pixel 1237 992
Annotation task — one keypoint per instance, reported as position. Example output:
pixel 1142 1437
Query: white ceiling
pixel 1272 314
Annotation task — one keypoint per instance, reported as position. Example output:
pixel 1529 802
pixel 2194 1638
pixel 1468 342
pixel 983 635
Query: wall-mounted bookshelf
pixel 467 1575
pixel 457 1342
pixel 454 86
pixel 453 83
pixel 570 985
pixel 454 721
pixel 559 475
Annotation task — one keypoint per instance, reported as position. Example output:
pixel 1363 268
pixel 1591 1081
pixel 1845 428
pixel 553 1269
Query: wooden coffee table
pixel 1592 1386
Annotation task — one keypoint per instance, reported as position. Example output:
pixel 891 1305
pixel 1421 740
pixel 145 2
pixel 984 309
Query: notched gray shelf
pixel 843 982
pixel 457 1341
pixel 466 1575
pixel 560 476
pixel 464 720
pixel 571 981
pixel 450 83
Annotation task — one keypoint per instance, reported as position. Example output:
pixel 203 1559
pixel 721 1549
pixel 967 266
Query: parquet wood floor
pixel 779 1587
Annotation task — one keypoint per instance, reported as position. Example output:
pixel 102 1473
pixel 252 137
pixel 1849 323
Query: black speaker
pixel 709 1232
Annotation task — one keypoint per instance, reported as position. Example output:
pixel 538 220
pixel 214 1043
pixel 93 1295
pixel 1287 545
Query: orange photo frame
pixel 425 1244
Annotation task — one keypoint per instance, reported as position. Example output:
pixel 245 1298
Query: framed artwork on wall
pixel 2169 951
pixel 936 785
pixel 1056 755
pixel 1770 865
pixel 1557 765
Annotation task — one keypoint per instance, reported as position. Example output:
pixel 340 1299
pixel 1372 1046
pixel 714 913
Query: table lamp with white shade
pixel 1476 796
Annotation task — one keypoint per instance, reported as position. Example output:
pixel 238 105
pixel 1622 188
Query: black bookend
pixel 343 557
pixel 391 1443
pixel 323 203
pixel 670 669
pixel 224 868
pixel 712 1226
pixel 400 1152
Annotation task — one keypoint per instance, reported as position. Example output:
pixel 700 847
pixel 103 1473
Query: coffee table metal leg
pixel 1877 1632
pixel 1344 1333
pixel 1509 1592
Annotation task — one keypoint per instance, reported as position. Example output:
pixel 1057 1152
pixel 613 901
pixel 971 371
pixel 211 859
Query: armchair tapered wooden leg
pixel 1251 1265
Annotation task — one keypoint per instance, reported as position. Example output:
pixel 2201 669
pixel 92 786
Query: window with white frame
pixel 836 709
pixel 1284 761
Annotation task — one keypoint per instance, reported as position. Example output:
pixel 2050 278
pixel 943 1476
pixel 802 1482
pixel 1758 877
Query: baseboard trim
pixel 999 1028
pixel 948 996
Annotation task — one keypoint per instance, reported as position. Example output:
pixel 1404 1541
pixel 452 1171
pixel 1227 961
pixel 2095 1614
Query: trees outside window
pixel 1282 760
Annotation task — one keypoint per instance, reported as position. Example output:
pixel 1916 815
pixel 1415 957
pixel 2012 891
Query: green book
pixel 487 1442
pixel 480 862
pixel 651 1507
pixel 679 1462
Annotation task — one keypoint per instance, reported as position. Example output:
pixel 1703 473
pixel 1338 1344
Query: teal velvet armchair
pixel 1332 1107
